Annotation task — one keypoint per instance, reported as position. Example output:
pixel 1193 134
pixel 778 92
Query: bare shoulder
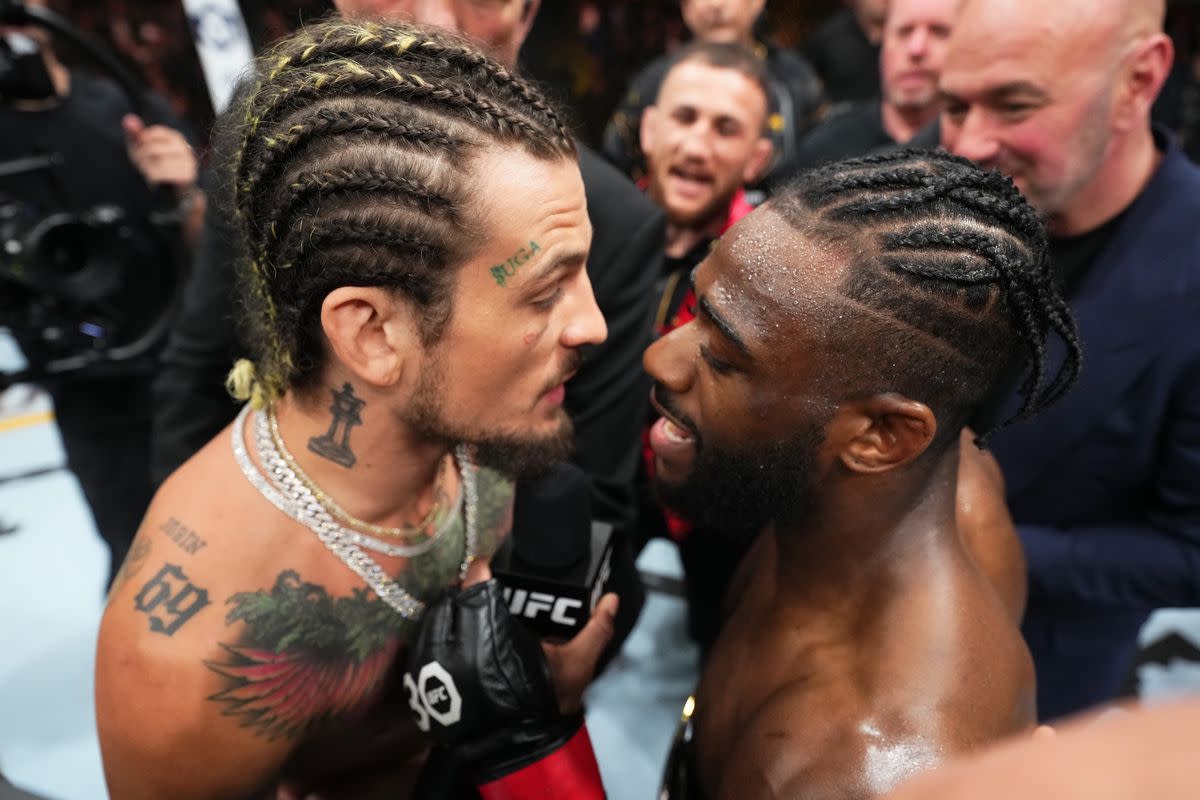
pixel 166 631
pixel 802 746
pixel 163 627
pixel 985 526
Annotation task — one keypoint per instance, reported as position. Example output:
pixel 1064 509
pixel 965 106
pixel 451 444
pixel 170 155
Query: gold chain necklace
pixel 418 531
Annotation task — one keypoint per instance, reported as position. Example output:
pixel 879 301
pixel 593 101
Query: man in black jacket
pixel 607 399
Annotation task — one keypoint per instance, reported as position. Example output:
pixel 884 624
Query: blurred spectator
pixel 154 39
pixel 107 156
pixel 796 98
pixel 704 140
pixel 1103 486
pixel 911 58
pixel 845 51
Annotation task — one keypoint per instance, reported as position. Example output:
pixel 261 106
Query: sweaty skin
pixel 792 711
pixel 877 636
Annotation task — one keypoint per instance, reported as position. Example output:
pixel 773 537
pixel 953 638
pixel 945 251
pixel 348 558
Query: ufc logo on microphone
pixel 530 605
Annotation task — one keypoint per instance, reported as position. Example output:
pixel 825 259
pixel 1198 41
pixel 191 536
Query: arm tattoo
pixel 305 657
pixel 183 536
pixel 169 599
pixel 334 444
pixel 138 551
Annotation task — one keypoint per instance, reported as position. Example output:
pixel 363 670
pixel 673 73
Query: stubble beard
pixel 515 455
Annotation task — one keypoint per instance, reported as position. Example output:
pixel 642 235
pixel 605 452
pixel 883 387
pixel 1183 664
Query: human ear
pixel 529 10
pixel 648 128
pixel 1145 73
pixel 884 432
pixel 372 333
pixel 763 150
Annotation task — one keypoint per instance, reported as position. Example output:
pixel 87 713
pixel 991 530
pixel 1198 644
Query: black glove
pixel 478 681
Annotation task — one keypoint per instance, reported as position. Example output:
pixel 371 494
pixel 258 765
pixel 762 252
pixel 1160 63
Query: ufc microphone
pixel 555 565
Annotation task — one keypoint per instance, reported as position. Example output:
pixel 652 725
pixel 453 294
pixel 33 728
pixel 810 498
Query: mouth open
pixel 673 442
pixel 689 180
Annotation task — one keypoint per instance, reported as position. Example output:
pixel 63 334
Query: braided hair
pixel 951 266
pixel 351 162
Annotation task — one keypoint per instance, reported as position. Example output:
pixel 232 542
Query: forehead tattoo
pixel 502 272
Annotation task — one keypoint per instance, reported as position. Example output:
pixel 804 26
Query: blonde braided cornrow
pixel 352 166
pixel 349 40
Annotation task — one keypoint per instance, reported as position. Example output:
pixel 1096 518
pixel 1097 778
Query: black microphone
pixel 558 561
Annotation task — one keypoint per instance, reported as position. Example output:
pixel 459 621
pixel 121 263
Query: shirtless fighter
pixel 845 333
pixel 416 232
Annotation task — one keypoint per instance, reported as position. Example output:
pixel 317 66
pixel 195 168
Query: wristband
pixel 569 773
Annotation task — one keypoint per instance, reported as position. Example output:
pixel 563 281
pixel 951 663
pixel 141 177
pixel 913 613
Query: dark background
pixel 584 51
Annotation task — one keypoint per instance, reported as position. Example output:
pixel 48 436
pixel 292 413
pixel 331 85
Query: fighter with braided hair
pixel 414 290
pixel 846 332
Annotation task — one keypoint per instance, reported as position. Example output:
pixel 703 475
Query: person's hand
pixel 161 154
pixel 573 664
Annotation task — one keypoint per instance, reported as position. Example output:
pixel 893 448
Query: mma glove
pixel 478 682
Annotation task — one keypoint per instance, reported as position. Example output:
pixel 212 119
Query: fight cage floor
pixel 52 570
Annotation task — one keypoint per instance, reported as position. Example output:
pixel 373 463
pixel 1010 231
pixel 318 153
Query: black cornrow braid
pixel 1000 269
pixel 310 186
pixel 350 41
pixel 318 214
pixel 354 79
pixel 311 236
pixel 825 186
pixel 331 122
pixel 955 230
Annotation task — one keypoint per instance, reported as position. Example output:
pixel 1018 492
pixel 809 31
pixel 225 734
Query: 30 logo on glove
pixel 433 695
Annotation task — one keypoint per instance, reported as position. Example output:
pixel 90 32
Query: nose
pixel 435 12
pixel 918 44
pixel 586 325
pixel 667 361
pixel 695 141
pixel 971 137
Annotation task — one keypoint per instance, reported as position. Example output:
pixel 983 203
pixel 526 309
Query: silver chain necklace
pixel 339 541
pixel 294 487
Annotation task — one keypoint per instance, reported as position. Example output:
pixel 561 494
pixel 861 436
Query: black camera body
pixel 79 289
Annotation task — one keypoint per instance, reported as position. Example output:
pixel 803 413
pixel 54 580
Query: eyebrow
pixel 1001 91
pixel 722 324
pixel 549 266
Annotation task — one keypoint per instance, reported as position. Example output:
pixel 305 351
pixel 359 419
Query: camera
pixel 80 289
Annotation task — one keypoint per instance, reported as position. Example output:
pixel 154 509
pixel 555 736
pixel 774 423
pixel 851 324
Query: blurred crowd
pixel 711 108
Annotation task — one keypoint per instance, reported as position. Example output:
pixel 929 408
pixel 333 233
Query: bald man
pixel 1129 756
pixel 1103 487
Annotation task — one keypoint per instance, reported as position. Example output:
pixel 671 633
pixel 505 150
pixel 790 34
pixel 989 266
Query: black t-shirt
pixel 84 129
pixel 845 59
pixel 1072 256
pixel 852 130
